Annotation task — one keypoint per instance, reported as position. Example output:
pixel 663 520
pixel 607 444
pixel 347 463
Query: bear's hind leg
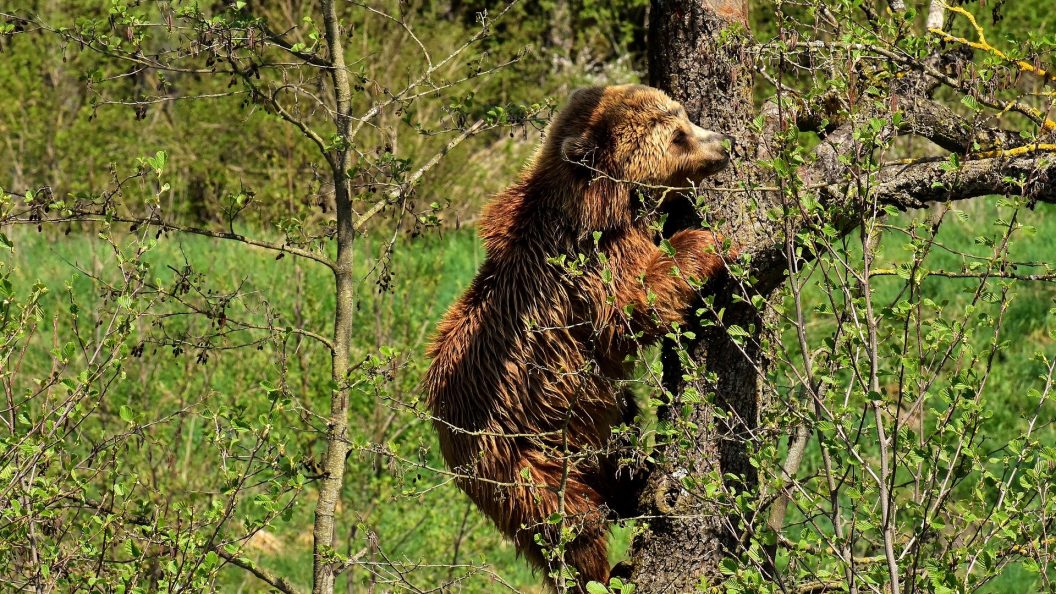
pixel 588 554
pixel 584 513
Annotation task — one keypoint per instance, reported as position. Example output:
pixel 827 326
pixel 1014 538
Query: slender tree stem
pixel 337 425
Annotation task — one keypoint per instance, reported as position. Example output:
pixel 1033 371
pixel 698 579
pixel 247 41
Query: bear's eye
pixel 678 137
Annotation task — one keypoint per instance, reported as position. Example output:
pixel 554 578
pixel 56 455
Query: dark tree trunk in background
pixel 698 53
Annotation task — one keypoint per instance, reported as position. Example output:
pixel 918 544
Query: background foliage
pixel 162 425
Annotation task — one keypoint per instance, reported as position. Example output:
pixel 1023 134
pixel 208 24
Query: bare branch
pixel 279 583
pixel 95 217
pixel 414 177
pixel 917 185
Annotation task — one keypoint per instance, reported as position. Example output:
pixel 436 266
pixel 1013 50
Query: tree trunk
pixel 332 483
pixel 698 54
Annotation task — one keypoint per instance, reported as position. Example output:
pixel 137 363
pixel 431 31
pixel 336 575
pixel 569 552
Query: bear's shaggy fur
pixel 522 381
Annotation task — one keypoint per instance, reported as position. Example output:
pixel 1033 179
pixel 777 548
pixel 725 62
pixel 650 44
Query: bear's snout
pixel 713 143
pixel 707 136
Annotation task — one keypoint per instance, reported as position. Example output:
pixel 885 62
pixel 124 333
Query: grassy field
pixel 410 520
pixel 414 516
pixel 416 520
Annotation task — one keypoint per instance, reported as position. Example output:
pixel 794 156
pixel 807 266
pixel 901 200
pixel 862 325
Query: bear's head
pixel 636 134
pixel 619 137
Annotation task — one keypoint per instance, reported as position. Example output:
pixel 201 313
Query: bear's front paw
pixel 699 253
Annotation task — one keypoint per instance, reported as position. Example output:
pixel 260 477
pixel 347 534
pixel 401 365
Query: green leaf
pixel 735 330
pixel 971 103
pixel 667 248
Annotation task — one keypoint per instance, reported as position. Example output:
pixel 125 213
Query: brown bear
pixel 522 384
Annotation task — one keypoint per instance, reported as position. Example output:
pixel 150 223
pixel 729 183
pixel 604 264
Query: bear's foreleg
pixel 664 296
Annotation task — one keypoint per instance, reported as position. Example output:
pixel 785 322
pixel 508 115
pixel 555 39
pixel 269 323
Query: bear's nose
pixel 709 137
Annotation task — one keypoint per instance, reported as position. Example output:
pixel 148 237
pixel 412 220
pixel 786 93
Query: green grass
pixel 415 516
pixel 426 275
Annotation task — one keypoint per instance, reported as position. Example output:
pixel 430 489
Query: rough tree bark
pixel 699 53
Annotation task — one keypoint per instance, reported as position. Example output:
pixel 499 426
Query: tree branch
pixel 916 185
pixel 279 583
pixel 414 177
pixel 919 184
pixel 279 40
pixel 94 217
pixel 983 45
pixel 940 124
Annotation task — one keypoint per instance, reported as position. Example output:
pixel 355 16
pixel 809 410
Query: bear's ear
pixel 579 149
pixel 585 95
